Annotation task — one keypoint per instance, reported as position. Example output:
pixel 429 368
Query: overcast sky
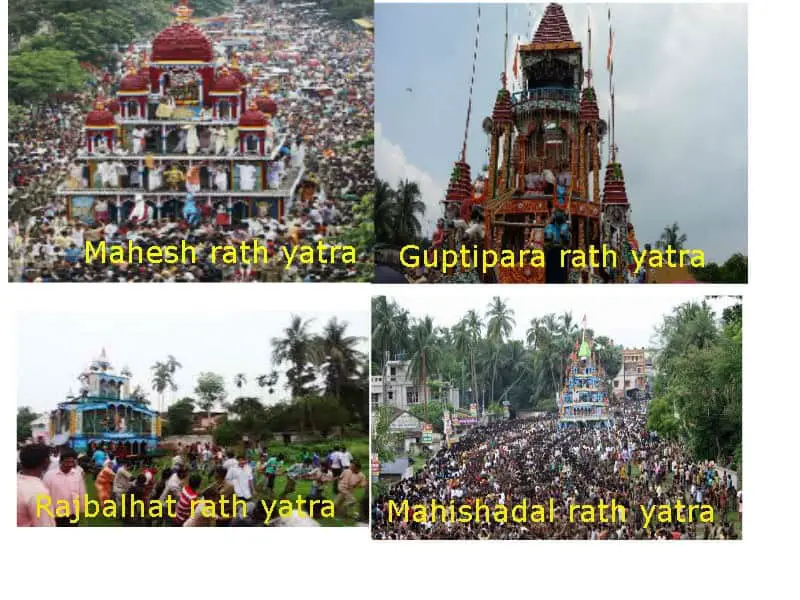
pixel 681 104
pixel 55 348
pixel 628 319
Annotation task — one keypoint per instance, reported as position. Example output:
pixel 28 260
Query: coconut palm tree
pixel 172 365
pixel 534 333
pixel 390 329
pixel 294 348
pixel 671 238
pixel 424 354
pixel 239 380
pixel 162 381
pixel 499 324
pixel 268 381
pixel 465 337
pixel 408 203
pixel 338 356
pixel 384 211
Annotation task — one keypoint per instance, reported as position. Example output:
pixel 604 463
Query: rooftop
pixel 553 27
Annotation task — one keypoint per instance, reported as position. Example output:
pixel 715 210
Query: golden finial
pixel 182 11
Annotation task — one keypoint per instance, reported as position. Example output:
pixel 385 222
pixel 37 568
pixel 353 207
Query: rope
pixel 471 84
pixel 528 29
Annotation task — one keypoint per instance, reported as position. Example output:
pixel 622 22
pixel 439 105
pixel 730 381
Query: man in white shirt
pixel 345 457
pixel 230 462
pixel 241 476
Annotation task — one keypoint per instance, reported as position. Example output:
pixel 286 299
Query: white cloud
pixel 392 165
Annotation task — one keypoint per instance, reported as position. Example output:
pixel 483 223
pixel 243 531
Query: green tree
pixel 362 237
pixel 608 355
pixel 661 418
pixel 248 418
pixel 328 413
pixel 210 389
pixel 384 441
pixel 295 348
pixel 180 416
pixel 408 204
pixel 699 382
pixel 268 381
pixel 239 380
pixel 732 314
pixel 226 434
pixel 337 355
pixel 671 237
pixel 499 324
pixel 35 75
pixel 162 381
pixel 25 418
pixel 383 211
pixel 424 354
pixel 433 415
pixel 139 395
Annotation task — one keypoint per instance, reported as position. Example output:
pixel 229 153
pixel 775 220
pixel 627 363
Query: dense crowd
pixel 534 460
pixel 200 479
pixel 330 133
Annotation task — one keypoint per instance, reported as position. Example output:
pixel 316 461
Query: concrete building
pixel 402 392
pixel 632 376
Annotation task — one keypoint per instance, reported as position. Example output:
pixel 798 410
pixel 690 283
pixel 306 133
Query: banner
pixel 82 208
pixel 427 433
pixel 376 465
pixel 473 410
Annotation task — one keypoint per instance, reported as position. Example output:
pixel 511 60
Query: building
pixel 104 413
pixel 203 422
pixel 40 430
pixel 401 391
pixel 633 374
pixel 584 400
pixel 184 137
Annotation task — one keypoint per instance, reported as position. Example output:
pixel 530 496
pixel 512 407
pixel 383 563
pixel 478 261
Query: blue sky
pixel 681 104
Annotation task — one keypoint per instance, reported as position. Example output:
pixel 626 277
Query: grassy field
pixel 358 447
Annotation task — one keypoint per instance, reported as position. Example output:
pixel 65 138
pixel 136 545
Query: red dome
pixel 503 112
pixel 113 106
pixel 181 41
pixel 100 116
pixel 267 105
pixel 240 77
pixel 589 110
pixel 253 118
pixel 226 82
pixel 134 82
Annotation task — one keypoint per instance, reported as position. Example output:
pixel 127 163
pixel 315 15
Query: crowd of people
pixel 201 478
pixel 331 130
pixel 534 460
